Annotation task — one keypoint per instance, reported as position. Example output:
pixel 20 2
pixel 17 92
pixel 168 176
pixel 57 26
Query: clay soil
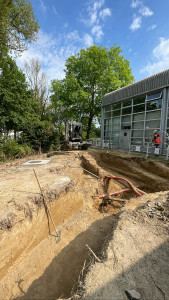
pixel 90 249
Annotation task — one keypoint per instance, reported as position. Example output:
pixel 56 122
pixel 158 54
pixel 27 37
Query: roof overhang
pixel 152 83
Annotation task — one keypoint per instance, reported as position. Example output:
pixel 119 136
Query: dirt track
pixel 35 263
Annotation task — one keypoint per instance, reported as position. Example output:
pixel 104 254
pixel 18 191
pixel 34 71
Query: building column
pixel 164 117
pixel 102 124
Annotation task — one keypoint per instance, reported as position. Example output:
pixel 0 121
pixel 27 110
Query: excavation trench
pixel 36 263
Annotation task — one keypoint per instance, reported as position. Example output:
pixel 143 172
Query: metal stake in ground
pixel 45 204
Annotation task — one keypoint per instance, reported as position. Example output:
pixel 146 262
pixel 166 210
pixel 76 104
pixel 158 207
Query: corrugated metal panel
pixel 146 85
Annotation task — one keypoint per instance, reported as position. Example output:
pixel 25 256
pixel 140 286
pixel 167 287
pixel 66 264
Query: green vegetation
pixel 89 75
pixel 26 107
pixel 10 149
pixel 18 27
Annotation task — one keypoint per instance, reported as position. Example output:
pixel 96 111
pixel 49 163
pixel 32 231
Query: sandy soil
pixel 38 262
pixel 137 257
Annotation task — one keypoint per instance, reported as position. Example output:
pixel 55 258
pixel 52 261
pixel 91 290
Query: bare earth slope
pixel 137 263
pixel 39 262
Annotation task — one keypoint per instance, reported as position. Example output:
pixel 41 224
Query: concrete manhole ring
pixel 36 162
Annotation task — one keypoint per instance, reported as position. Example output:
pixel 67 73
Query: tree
pixel 18 25
pixel 90 74
pixel 18 107
pixel 38 83
pixel 19 110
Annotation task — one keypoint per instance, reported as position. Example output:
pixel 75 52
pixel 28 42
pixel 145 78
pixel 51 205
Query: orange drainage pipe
pixel 124 182
pixel 114 193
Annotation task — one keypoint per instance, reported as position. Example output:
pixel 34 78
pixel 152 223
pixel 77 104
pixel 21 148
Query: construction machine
pixel 73 137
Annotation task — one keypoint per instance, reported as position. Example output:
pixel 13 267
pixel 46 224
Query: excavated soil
pixel 53 226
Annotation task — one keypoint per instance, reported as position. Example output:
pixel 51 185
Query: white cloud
pixel 96 14
pixel 54 10
pixel 98 4
pixel 104 13
pixel 74 36
pixel 88 40
pixel 42 5
pixel 160 59
pixel 52 52
pixel 135 3
pixel 97 32
pixel 136 24
pixel 162 50
pixel 145 11
pixel 93 11
pixel 152 27
pixel 93 17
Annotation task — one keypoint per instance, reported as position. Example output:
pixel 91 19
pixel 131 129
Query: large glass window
pixel 116 112
pixel 127 103
pixel 126 119
pixel 137 133
pixel 116 124
pixel 139 100
pixel 108 108
pixel 141 114
pixel 154 96
pixel 126 122
pixel 152 115
pixel 115 137
pixel 155 104
pixel 107 135
pixel 138 125
pixel 126 110
pixel 138 108
pixel 138 117
pixel 117 105
pixel 149 135
pixel 153 124
pixel 108 114
pixel 116 121
pixel 136 140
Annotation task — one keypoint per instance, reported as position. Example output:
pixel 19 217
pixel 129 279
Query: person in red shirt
pixel 156 139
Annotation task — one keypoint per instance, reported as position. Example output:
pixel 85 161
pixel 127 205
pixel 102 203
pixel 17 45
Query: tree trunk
pixel 15 134
pixel 89 126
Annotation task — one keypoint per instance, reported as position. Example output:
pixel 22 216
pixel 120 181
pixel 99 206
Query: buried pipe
pixel 86 170
pixel 126 183
pixel 114 193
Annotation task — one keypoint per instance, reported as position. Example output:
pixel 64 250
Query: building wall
pixel 133 120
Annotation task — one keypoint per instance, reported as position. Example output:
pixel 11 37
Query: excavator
pixel 73 137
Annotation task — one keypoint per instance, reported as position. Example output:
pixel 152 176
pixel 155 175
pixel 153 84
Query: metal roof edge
pixel 138 82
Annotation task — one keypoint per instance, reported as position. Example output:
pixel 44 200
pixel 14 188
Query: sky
pixel 140 28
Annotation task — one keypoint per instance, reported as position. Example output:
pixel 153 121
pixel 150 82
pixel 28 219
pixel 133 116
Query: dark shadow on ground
pixel 149 277
pixel 62 274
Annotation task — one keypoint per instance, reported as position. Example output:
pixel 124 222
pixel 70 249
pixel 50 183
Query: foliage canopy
pixel 17 104
pixel 18 25
pixel 90 74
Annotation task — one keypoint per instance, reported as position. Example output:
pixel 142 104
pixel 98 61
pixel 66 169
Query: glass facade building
pixel 131 114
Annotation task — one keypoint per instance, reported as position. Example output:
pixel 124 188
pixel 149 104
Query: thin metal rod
pixel 86 170
pixel 45 203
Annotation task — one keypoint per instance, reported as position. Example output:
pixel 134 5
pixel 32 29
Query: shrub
pixel 10 149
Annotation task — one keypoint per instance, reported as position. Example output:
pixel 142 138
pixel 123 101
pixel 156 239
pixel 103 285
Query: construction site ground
pixel 59 240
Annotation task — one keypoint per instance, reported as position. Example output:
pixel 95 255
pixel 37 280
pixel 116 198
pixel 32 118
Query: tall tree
pixel 38 82
pixel 18 25
pixel 18 107
pixel 89 75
